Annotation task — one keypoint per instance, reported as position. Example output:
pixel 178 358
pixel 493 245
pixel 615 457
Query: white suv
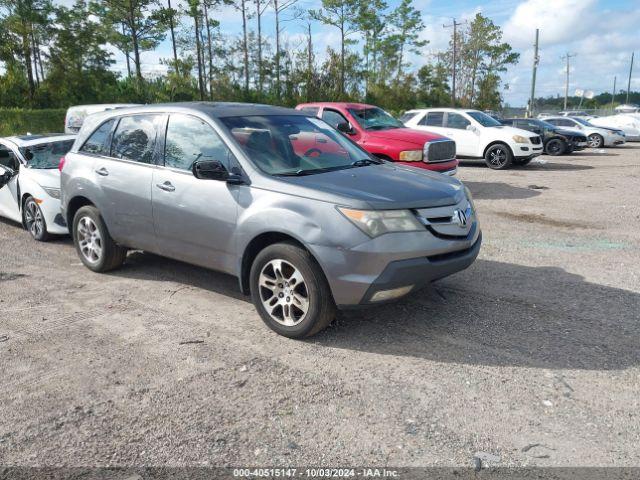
pixel 477 135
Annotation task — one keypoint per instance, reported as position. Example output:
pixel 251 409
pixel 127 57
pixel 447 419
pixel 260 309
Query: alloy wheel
pixel 283 292
pixel 595 141
pixel 89 240
pixel 33 219
pixel 498 157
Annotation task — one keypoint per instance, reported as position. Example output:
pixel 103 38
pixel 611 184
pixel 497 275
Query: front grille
pixel 580 138
pixel 441 150
pixel 535 140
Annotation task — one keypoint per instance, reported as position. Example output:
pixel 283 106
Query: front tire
pixel 94 244
pixel 498 157
pixel 34 221
pixel 290 291
pixel 555 147
pixel 595 140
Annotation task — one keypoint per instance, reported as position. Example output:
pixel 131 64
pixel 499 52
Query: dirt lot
pixel 531 355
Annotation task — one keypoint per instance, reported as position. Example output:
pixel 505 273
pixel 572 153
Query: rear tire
pixel 94 244
pixel 33 220
pixel 555 147
pixel 498 156
pixel 290 291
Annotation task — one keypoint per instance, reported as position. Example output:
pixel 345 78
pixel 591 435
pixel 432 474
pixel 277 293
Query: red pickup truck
pixel 385 137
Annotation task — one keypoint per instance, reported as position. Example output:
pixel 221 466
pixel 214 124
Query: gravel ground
pixel 531 356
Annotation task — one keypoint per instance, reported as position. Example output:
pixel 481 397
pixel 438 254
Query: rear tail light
pixel 61 163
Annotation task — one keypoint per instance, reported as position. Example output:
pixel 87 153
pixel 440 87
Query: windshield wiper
pixel 365 162
pixel 382 127
pixel 297 173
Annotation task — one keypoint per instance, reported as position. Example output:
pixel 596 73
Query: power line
pixel 567 57
pixel 455 26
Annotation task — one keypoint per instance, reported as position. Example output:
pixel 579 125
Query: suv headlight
pixel 376 222
pixel 520 139
pixel 52 192
pixel 410 156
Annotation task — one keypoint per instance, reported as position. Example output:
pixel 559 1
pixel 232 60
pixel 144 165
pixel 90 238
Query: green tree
pixel 343 15
pixel 140 25
pixel 78 62
pixel 407 22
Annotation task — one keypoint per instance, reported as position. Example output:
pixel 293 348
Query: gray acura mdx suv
pixel 307 220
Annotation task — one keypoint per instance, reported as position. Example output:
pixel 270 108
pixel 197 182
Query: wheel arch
pixel 259 243
pixel 75 204
pixel 496 142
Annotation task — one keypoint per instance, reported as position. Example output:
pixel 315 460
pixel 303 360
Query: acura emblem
pixel 459 217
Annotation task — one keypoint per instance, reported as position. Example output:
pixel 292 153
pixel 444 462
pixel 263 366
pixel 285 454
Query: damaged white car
pixel 30 182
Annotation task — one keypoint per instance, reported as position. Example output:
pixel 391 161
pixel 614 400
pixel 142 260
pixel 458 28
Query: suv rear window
pixel 97 142
pixel 135 138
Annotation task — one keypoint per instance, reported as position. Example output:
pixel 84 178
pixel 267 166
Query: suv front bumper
pixel 527 151
pixel 395 261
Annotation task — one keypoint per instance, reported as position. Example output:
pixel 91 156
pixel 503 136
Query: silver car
pixel 307 220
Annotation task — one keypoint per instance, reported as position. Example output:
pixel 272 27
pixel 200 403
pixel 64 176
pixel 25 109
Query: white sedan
pixel 629 123
pixel 597 137
pixel 30 182
pixel 477 135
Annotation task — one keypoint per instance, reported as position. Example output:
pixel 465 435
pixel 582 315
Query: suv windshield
pixel 46 155
pixel 295 144
pixel 375 118
pixel 484 119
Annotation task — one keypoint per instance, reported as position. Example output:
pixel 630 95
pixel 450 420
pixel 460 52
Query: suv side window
pixel 433 119
pixel 135 138
pixel 455 120
pixel 333 118
pixel 310 110
pixel 97 143
pixel 189 139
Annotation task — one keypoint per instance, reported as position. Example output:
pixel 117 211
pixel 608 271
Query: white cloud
pixel 559 21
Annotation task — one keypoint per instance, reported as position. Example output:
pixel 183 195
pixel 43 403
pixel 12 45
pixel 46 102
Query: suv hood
pixel 386 186
pixel 406 135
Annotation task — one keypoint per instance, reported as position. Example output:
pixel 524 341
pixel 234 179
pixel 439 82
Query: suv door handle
pixel 166 186
pixel 102 171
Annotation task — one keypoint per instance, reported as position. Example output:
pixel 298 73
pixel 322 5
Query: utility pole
pixel 536 60
pixel 613 97
pixel 629 84
pixel 566 86
pixel 455 26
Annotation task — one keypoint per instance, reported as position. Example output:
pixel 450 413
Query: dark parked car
pixel 557 140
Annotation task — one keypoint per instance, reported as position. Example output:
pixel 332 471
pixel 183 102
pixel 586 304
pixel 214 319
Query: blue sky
pixel 602 33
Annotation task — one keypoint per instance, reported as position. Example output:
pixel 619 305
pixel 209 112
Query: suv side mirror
pixel 344 127
pixel 215 170
pixel 210 170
